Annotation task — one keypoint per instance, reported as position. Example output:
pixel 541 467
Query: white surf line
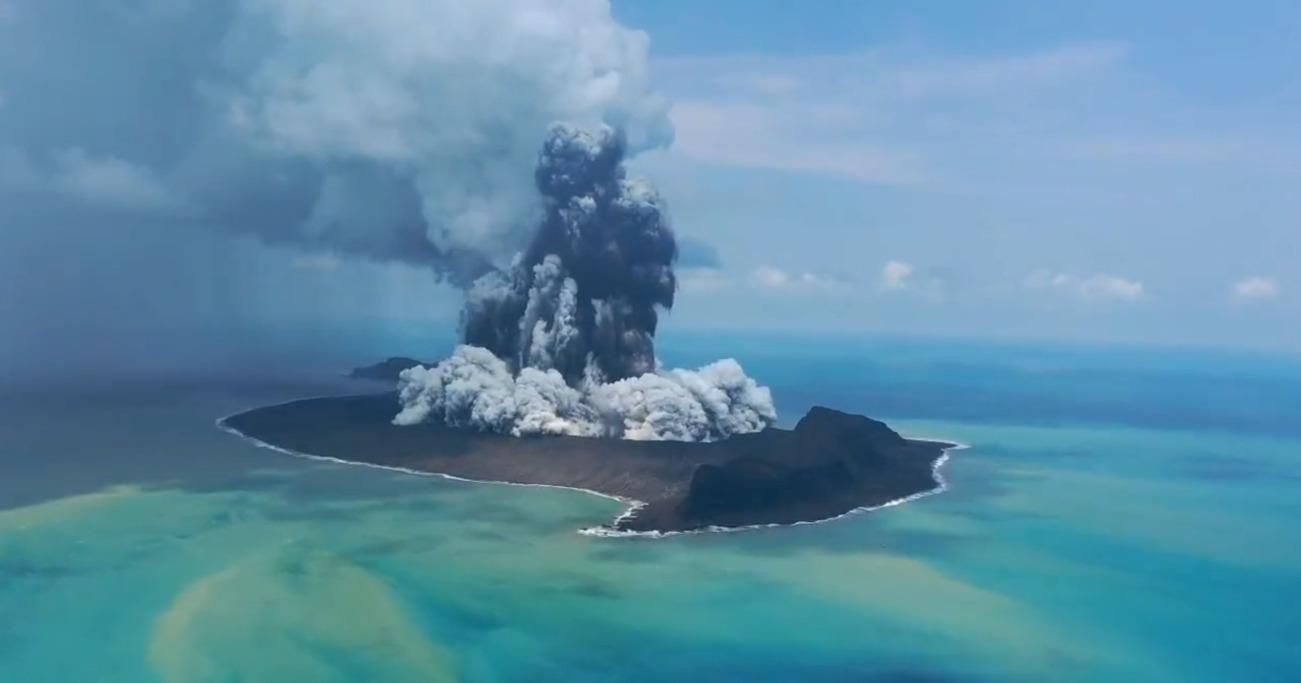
pixel 940 487
pixel 607 531
pixel 221 424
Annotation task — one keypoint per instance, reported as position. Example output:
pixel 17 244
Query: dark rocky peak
pixel 823 425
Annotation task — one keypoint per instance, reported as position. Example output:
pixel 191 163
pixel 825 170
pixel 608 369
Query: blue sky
pixel 1106 172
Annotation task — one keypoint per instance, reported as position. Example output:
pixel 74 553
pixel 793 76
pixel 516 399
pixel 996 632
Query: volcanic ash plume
pixel 563 343
pixel 401 130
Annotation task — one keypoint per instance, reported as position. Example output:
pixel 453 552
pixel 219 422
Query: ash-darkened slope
pixel 830 464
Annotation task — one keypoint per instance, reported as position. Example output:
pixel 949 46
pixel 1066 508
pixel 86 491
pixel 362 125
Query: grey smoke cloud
pixel 563 342
pixel 585 295
pixel 403 130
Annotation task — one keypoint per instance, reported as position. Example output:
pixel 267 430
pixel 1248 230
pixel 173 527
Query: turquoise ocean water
pixel 1120 515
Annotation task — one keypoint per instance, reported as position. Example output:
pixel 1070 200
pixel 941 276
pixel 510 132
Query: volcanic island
pixel 556 381
pixel 830 464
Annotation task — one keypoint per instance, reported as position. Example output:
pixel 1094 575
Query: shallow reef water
pixel 140 543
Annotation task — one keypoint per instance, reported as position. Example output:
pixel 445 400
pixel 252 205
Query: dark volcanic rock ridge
pixel 386 370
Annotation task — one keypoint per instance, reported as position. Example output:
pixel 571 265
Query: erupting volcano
pixel 434 142
pixel 557 384
pixel 564 341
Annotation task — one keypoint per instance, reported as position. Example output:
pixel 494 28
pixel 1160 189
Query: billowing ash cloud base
pixel 475 389
pixel 563 343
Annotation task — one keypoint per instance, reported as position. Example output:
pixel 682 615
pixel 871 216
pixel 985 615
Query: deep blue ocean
pixel 1120 515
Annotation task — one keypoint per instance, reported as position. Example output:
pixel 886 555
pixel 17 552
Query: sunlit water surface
pixel 140 543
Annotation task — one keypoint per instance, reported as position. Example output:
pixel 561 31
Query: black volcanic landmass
pixel 830 464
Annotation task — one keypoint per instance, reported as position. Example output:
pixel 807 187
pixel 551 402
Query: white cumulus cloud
pixel 703 280
pixel 1255 288
pixel 895 275
pixel 778 280
pixel 1099 287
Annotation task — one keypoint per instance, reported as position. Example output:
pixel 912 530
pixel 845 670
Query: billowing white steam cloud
pixel 395 130
pixel 476 389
